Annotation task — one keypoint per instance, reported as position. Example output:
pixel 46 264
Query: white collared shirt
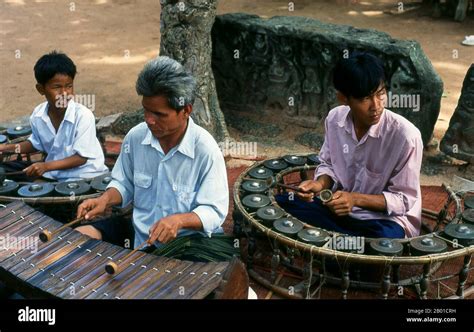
pixel 76 135
pixel 191 177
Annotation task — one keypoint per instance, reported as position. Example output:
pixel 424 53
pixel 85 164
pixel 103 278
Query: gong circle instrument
pixel 34 190
pixel 72 188
pixel 468 216
pixel 295 160
pixel 275 164
pixel 462 233
pixel 288 226
pixel 8 187
pixel 254 202
pixel 39 193
pixel 313 236
pixel 71 265
pixel 386 247
pixel 313 252
pixel 469 201
pixel 3 139
pixel 100 183
pixel 261 173
pixel 255 186
pixel 18 131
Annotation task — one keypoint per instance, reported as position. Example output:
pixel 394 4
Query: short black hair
pixel 359 75
pixel 51 64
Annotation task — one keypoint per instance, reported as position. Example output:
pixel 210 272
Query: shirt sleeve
pixel 325 167
pixel 212 198
pixel 35 137
pixel 85 137
pixel 403 187
pixel 122 174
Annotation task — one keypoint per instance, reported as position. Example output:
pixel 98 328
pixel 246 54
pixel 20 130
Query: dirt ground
pixel 110 40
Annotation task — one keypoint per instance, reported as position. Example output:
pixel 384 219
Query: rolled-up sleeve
pixel 212 198
pixel 122 174
pixel 325 167
pixel 84 135
pixel 403 187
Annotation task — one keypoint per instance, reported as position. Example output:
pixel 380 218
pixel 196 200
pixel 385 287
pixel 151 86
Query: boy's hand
pixel 91 208
pixel 341 204
pixel 310 188
pixel 37 169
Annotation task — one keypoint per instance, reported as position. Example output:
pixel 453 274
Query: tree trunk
pixel 186 37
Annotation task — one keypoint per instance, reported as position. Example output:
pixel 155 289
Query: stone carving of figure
pixel 283 91
pixel 257 62
pixel 311 86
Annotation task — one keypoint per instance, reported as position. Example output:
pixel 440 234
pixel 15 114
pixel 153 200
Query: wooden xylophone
pixel 71 266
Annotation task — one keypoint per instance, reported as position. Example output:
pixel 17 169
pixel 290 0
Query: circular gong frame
pixel 327 252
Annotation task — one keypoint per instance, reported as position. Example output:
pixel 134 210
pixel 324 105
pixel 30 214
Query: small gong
pixel 314 236
pixel 295 160
pixel 3 139
pixel 18 131
pixel 261 173
pixel 469 201
pixel 385 247
pixel 8 188
pixel 288 226
pixel 468 216
pixel 101 182
pixel 255 201
pixel 33 190
pixel 463 233
pixel 275 165
pixel 255 186
pixel 313 159
pixel 427 245
pixel 72 188
pixel 269 214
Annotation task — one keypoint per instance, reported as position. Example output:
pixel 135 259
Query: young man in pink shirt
pixel 370 159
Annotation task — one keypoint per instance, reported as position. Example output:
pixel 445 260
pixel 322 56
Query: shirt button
pixel 175 187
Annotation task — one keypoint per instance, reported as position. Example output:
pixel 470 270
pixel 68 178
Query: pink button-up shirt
pixel 386 160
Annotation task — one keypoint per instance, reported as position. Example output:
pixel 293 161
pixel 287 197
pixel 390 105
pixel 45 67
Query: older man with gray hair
pixel 172 170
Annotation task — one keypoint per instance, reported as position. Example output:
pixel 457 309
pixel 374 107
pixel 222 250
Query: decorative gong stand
pixel 257 214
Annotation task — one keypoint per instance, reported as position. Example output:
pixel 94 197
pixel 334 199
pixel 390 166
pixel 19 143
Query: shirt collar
pixel 186 146
pixel 347 123
pixel 69 116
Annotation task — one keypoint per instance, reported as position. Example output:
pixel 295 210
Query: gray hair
pixel 164 76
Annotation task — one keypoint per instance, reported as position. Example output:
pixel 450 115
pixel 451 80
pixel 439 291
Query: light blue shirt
pixel 76 135
pixel 191 177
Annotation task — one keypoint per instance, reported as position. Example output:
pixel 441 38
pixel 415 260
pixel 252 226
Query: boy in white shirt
pixel 61 128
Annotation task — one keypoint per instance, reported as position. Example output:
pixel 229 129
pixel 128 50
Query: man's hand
pixel 165 229
pixel 91 208
pixel 37 169
pixel 310 188
pixel 341 204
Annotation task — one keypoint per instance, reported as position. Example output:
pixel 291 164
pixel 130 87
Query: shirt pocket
pixel 143 197
pixel 368 182
pixel 184 198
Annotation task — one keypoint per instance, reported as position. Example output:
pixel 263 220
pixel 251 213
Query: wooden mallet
pixel 3 174
pixel 46 235
pixel 112 267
